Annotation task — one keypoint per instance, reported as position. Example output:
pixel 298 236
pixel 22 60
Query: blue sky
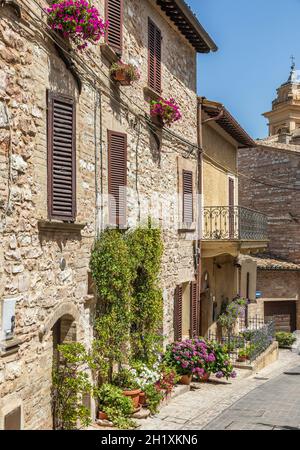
pixel 256 39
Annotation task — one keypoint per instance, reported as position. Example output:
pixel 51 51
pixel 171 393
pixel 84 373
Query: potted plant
pixel 76 20
pixel 126 381
pixel 123 73
pixel 190 357
pixel 245 353
pixel 285 340
pixel 113 405
pixel 144 376
pixel 164 112
pixel 221 366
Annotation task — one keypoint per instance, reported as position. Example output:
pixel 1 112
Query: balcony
pixel 236 227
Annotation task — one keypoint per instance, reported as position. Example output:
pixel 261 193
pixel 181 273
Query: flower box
pixel 125 74
pixel 165 112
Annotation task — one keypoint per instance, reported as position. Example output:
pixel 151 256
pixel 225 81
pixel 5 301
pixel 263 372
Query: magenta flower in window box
pixel 77 20
pixel 166 112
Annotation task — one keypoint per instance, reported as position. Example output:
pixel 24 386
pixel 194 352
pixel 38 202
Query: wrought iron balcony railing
pixel 233 223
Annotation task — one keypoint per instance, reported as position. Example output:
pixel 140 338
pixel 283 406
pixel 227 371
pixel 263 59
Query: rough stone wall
pixel 30 268
pixel 274 168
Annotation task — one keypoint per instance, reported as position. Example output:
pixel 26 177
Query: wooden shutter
pixel 154 57
pixel 178 314
pixel 188 215
pixel 114 14
pixel 61 158
pixel 117 177
pixel 194 320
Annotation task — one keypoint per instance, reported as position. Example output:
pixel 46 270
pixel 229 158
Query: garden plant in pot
pixel 245 353
pixel 77 21
pixel 164 112
pixel 114 406
pixel 125 74
pixel 126 381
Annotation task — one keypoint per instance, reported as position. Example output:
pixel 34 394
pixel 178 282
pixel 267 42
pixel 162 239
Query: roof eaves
pixel 181 14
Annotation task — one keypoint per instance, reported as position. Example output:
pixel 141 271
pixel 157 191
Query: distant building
pixel 270 183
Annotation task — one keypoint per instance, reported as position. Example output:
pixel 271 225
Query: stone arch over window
pixel 66 310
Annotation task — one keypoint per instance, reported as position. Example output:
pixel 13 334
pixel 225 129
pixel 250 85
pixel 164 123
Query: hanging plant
pixel 165 112
pixel 77 20
pixel 125 74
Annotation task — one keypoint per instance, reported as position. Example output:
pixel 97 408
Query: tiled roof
pixel 270 262
pixel 226 121
pixel 272 141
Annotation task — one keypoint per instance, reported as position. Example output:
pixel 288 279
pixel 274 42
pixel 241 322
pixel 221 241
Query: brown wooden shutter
pixel 194 320
pixel 154 57
pixel 188 215
pixel 178 314
pixel 117 178
pixel 61 158
pixel 114 14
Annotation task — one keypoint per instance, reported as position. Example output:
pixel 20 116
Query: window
pixel 114 14
pixel 61 158
pixel 154 57
pixel 188 214
pixel 117 178
pixel 186 311
pixel 12 420
pixel 8 319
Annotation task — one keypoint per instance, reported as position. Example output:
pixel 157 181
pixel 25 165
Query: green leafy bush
pixel 285 339
pixel 69 383
pixel 118 407
pixel 125 380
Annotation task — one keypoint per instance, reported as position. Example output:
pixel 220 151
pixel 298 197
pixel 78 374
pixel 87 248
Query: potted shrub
pixel 144 376
pixel 125 74
pixel 221 366
pixel 77 21
pixel 190 357
pixel 164 112
pixel 285 340
pixel 245 353
pixel 126 381
pixel 113 405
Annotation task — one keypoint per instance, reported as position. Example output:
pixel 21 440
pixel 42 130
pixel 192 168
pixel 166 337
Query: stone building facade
pixel 270 184
pixel 46 294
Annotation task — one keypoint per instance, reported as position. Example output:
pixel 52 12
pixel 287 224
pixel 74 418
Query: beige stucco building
pixel 62 121
pixel 230 232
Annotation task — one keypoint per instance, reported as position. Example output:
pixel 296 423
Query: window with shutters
pixel 114 14
pixel 195 311
pixel 178 313
pixel 117 178
pixel 154 57
pixel 61 158
pixel 188 203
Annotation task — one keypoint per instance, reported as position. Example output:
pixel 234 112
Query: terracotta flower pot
pixel 122 77
pixel 158 121
pixel 142 398
pixel 134 395
pixel 186 379
pixel 243 358
pixel 205 378
pixel 102 415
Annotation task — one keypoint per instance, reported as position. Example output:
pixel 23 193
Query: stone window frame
pixel 190 166
pixel 9 407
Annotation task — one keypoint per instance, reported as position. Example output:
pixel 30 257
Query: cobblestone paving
pixel 208 406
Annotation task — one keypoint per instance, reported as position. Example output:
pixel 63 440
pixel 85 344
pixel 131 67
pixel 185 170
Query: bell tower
pixel 285 115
